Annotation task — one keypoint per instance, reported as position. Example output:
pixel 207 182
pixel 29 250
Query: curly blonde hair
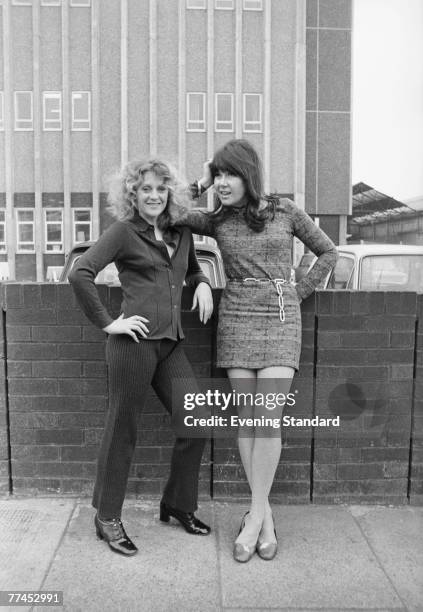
pixel 123 187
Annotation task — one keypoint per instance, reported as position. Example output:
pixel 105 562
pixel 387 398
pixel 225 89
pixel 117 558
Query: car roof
pixel 199 245
pixel 381 249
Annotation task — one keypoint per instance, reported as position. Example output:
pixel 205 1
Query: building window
pixel 81 111
pixel 253 5
pixel 52 111
pixel 25 230
pixel 53 230
pixel 24 120
pixel 1 111
pixel 225 5
pixel 51 2
pixel 80 2
pixel 22 2
pixel 252 112
pixel 2 230
pixel 196 4
pixel 196 112
pixel 82 228
pixel 224 112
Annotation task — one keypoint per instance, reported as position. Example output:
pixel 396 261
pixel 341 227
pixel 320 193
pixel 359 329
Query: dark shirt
pixel 151 280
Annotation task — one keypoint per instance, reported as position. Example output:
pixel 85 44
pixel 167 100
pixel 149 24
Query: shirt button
pixel 173 287
pixel 175 306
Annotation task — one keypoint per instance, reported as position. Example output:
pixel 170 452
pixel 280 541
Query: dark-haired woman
pixel 143 346
pixel 259 330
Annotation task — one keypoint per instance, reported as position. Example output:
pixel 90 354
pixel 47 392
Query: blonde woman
pixel 143 346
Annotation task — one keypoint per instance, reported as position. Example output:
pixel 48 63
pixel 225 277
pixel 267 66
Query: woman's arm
pixel 195 277
pixel 197 220
pixel 320 244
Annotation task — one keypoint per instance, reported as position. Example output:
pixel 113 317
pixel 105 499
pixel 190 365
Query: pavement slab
pixel 31 531
pixel 172 571
pixel 323 563
pixel 396 538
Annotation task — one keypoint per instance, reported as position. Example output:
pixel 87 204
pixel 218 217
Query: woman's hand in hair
pixel 206 180
pixel 131 326
pixel 204 300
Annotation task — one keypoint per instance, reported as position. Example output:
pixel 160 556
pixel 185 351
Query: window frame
pixel 87 128
pixel 22 3
pixel 75 222
pixel 224 8
pixel 18 120
pixel 52 95
pixel 216 114
pixel 19 248
pixel 46 224
pixel 188 120
pixel 200 8
pixel 3 245
pixel 51 3
pixel 80 4
pixel 249 8
pixel 245 127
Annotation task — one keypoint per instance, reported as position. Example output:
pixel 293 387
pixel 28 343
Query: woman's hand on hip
pixel 131 326
pixel 204 300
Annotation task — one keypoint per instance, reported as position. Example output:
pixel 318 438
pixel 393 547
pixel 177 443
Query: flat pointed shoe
pixel 267 550
pixel 243 553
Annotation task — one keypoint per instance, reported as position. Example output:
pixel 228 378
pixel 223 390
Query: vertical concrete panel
pixel 167 101
pixel 335 13
pixel 310 169
pixel 311 69
pixel 334 70
pixel 109 86
pixel 23 161
pixel 224 51
pixel 196 80
pixel 51 161
pixel 81 161
pixel 196 50
pixel 1 47
pixel 334 163
pixel 283 96
pixel 50 50
pixel 80 80
pixel 21 36
pixel 196 154
pixel 2 164
pixel 312 12
pixel 80 49
pixel 253 51
pixel 138 84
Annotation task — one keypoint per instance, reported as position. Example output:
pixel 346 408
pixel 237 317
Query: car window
pixel 392 272
pixel 341 276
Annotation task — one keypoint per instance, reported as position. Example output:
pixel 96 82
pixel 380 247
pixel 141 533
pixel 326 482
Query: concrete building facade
pixel 86 85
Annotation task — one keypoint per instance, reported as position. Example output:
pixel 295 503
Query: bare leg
pixel 267 450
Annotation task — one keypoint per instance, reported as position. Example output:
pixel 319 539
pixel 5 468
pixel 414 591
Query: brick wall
pixel 357 361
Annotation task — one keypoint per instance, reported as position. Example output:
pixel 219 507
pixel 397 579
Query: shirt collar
pixel 171 235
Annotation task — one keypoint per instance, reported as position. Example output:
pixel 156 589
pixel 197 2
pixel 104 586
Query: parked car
pixel 208 256
pixel 377 267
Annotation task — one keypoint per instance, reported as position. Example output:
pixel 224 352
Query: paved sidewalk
pixel 331 558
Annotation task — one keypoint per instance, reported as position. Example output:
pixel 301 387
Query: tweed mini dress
pixel 259 322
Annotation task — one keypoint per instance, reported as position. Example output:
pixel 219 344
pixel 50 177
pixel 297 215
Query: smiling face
pixel 229 188
pixel 152 196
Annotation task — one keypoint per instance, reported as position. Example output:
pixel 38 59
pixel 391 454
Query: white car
pixel 377 267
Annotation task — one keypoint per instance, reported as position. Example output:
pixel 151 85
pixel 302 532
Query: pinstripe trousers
pixel 132 368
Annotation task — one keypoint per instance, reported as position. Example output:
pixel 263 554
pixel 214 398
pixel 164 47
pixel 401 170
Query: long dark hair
pixel 239 158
